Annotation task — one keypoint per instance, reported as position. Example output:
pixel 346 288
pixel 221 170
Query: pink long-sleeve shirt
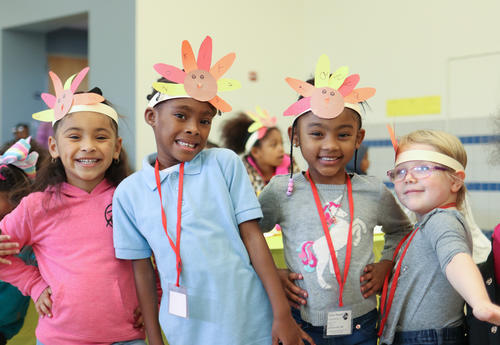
pixel 93 293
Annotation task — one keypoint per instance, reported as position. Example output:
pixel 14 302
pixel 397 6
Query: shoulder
pixel 443 218
pixel 219 154
pixel 366 182
pixel 129 184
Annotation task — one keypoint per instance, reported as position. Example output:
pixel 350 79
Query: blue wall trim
pixel 466 140
pixel 471 186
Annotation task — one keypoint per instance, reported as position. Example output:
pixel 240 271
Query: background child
pixel 428 179
pixel 83 293
pixel 215 278
pixel 326 206
pixel 259 142
pixel 17 170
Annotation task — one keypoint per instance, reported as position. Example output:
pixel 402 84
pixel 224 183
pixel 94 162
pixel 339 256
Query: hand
pixel 296 296
pixel 43 304
pixel 373 277
pixel 138 319
pixel 287 332
pixel 488 312
pixel 7 248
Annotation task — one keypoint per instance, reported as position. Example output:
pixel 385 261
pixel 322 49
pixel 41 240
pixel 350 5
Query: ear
pixel 458 181
pixel 118 148
pixel 53 150
pixel 359 137
pixel 295 139
pixel 151 116
pixel 254 151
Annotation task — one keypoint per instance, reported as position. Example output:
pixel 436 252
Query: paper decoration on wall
pixel 329 94
pixel 198 80
pixel 65 97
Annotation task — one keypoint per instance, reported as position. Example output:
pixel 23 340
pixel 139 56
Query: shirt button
pixel 489 281
pixel 494 329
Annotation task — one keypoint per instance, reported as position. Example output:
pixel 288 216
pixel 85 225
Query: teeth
pixel 328 158
pixel 186 144
pixel 87 161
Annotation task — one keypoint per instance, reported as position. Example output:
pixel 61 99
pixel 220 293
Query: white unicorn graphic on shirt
pixel 316 255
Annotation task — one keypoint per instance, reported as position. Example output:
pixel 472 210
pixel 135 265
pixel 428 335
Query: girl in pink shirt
pixel 84 295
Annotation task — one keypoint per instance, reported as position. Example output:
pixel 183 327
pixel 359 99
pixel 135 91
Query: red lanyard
pixel 329 238
pixel 383 312
pixel 177 246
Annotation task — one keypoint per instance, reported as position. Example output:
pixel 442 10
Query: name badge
pixel 339 323
pixel 177 301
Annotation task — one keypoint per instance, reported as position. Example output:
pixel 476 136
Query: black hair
pixel 16 183
pixel 235 133
pixel 53 173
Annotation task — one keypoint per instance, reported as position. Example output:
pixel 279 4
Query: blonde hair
pixel 443 142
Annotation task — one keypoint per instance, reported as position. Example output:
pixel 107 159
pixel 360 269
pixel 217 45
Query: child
pixel 259 140
pixel 328 214
pixel 83 293
pixel 17 170
pixel 210 277
pixel 434 272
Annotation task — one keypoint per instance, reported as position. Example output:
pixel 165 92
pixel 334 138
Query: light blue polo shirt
pixel 227 303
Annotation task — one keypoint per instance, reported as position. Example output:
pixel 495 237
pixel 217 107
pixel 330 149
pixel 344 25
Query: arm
pixel 465 277
pixel 284 327
pixel 146 293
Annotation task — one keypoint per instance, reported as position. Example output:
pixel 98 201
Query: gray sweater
pixel 424 298
pixel 305 246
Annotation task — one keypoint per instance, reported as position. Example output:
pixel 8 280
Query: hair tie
pixel 19 156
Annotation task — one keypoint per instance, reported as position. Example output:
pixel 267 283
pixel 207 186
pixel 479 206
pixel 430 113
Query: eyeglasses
pixel 419 172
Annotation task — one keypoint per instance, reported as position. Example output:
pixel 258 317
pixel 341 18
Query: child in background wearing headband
pixel 18 164
pixel 434 271
pixel 84 295
pixel 196 211
pixel 327 216
pixel 258 139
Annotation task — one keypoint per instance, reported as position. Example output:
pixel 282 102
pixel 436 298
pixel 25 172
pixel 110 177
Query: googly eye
pixel 193 76
pixel 202 76
pixel 323 92
pixel 332 93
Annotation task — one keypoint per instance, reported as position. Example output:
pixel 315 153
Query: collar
pixel 193 167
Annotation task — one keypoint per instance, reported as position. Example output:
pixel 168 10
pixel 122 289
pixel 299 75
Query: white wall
pixel 267 37
pixel 404 49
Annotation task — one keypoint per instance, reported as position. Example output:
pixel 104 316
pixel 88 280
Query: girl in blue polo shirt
pixel 196 211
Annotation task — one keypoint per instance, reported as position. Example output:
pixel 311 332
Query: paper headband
pixel 19 156
pixel 262 122
pixel 66 101
pixel 330 94
pixel 423 155
pixel 198 80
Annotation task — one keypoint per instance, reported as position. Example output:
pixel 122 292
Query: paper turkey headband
pixel 329 94
pixel 19 156
pixel 258 129
pixel 65 101
pixel 198 80
pixel 423 155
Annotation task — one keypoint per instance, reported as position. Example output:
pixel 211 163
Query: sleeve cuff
pixel 254 213
pixel 132 254
pixel 37 289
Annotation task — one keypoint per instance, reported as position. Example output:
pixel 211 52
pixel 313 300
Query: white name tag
pixel 177 301
pixel 339 323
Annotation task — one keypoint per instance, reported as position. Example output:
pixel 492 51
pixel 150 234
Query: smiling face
pixel 201 85
pixel 181 127
pixel 425 194
pixel 86 143
pixel 328 144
